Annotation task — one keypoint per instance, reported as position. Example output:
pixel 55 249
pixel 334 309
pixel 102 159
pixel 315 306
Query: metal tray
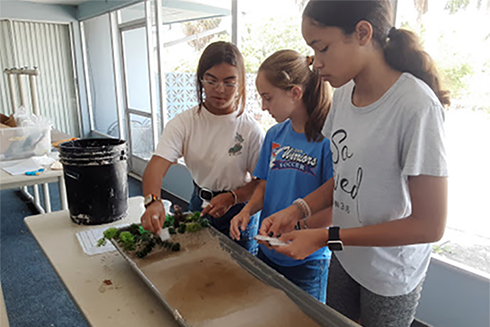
pixel 323 315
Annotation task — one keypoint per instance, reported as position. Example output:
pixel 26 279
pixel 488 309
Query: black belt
pixel 206 194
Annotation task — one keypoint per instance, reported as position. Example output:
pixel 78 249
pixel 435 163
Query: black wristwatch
pixel 334 243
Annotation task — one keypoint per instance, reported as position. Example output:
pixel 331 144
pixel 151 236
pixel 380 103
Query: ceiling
pixel 60 2
pixel 173 10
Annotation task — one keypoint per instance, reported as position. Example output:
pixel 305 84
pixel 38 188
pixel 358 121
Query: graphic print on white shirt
pixel 287 157
pixel 343 183
pixel 236 149
pixel 375 150
pixel 220 151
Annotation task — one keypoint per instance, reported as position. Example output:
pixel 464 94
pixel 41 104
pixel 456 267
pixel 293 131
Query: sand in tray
pixel 209 289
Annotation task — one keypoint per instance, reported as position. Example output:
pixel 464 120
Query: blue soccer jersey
pixel 293 168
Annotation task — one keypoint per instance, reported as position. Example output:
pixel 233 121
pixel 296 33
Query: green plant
pixel 453 6
pixel 169 221
pixel 182 228
pixel 439 249
pixel 127 240
pixel 142 242
pixel 455 76
pixel 193 227
pixel 108 234
pixel 194 216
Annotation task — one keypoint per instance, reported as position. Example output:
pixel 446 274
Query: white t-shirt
pixel 220 151
pixel 374 150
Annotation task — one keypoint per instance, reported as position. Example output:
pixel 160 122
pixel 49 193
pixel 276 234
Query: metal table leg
pixel 37 199
pixel 47 197
pixel 63 198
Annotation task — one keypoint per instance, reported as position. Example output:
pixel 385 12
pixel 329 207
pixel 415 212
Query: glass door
pixel 139 83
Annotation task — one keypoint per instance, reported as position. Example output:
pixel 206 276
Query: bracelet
pixel 305 211
pixel 303 207
pixel 234 196
pixel 304 223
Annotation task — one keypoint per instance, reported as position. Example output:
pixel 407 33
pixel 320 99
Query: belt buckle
pixel 205 194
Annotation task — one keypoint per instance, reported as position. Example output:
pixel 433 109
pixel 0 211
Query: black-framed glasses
pixel 227 85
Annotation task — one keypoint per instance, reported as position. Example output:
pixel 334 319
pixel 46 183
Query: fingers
pixel 217 211
pixel 214 212
pixel 287 250
pixel 244 224
pixel 269 228
pixel 266 244
pixel 145 222
pixel 291 250
pixel 206 209
pixel 287 237
pixel 153 219
pixel 155 224
pixel 274 230
pixel 223 201
pixel 218 206
pixel 264 228
pixel 234 232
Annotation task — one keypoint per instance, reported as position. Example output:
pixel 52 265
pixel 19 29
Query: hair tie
pixel 392 32
pixel 390 35
pixel 309 60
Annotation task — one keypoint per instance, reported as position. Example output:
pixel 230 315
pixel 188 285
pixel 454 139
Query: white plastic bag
pixel 25 119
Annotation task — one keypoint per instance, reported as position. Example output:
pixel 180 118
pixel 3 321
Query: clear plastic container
pixel 24 142
pixel 166 205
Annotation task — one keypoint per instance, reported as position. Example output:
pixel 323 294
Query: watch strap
pixel 334 243
pixel 333 233
pixel 150 201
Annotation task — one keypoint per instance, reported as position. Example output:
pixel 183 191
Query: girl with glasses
pixel 219 143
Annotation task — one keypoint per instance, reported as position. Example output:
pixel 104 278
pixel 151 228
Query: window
pixel 265 30
pixel 183 45
pixel 457 36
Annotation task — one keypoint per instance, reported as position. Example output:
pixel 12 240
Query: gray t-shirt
pixel 374 150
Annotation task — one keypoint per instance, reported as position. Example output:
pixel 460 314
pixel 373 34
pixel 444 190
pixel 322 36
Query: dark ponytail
pixel 287 68
pixel 404 52
pixel 402 49
pixel 317 97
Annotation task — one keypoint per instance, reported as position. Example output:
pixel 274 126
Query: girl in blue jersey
pixel 295 159
pixel 389 193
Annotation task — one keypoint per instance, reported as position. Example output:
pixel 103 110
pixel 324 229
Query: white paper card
pixel 23 166
pixel 88 240
pixel 164 234
pixel 272 240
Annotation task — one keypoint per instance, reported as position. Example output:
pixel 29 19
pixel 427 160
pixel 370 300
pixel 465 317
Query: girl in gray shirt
pixel 389 192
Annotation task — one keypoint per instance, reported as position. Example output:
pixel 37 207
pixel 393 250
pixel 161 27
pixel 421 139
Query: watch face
pixel 148 199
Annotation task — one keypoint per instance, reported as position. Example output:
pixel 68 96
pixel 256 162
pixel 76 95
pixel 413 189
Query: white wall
pixel 16 9
pixel 454 296
pixel 178 181
pixel 94 8
pixel 101 72
pixel 21 10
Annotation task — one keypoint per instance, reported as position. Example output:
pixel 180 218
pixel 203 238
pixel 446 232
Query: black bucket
pixel 95 172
